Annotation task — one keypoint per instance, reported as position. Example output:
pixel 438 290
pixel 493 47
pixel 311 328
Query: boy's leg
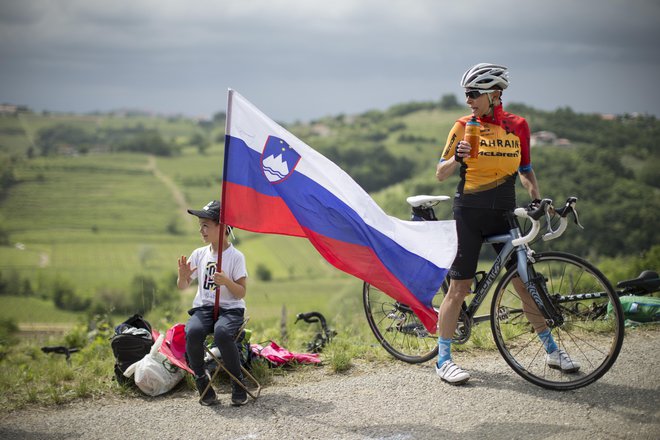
pixel 226 327
pixel 197 327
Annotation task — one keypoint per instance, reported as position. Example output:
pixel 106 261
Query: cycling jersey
pixel 489 180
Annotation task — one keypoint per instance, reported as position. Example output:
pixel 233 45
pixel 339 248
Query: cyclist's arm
pixel 528 180
pixel 448 164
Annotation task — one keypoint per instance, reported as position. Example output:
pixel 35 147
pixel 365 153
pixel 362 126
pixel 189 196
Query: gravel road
pixel 388 400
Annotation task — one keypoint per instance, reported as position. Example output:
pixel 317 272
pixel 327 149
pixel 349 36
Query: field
pixel 97 220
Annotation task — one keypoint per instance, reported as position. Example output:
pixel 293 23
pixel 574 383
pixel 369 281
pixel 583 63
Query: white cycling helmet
pixel 486 76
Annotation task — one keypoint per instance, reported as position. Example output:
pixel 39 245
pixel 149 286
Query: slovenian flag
pixel 274 183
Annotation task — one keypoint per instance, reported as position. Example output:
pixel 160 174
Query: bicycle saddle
pixel 425 201
pixel 647 280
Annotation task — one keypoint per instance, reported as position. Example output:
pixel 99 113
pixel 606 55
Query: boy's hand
pixel 221 278
pixel 185 271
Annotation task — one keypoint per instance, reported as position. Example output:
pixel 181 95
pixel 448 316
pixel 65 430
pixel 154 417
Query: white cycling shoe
pixel 559 360
pixel 452 373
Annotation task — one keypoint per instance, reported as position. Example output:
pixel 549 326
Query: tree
pixel 449 102
pixel 51 140
pixel 263 273
pixel 201 142
pixel 65 297
pixel 151 142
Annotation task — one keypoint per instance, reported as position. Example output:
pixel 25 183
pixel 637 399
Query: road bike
pixel 646 283
pixel 558 283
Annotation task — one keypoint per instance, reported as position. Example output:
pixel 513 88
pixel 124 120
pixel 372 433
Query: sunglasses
pixel 474 94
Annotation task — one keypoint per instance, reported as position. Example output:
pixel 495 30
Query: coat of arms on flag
pixel 278 160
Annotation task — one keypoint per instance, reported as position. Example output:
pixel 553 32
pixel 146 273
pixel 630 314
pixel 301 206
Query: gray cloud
pixel 300 59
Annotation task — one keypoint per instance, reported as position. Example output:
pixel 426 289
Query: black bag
pixel 129 348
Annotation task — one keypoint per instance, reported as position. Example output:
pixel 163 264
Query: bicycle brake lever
pixel 575 217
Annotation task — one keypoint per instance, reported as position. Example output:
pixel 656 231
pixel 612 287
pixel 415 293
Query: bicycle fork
pixel 535 283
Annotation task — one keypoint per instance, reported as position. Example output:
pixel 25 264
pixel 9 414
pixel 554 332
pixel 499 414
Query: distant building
pixel 8 109
pixel 547 138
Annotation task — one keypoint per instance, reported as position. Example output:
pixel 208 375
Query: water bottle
pixel 473 136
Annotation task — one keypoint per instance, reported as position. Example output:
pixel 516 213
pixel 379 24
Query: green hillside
pixel 88 212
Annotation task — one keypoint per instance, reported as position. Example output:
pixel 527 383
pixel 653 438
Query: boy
pixel 231 278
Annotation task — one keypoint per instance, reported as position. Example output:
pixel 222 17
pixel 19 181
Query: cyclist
pixel 486 190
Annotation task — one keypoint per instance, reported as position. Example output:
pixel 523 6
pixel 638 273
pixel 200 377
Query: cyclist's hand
pixel 462 151
pixel 534 204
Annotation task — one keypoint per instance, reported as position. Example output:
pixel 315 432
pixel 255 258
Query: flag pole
pixel 223 227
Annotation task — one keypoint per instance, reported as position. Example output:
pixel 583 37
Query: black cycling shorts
pixel 472 226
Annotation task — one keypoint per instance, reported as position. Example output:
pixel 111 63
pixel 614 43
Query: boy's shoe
pixel 209 398
pixel 239 396
pixel 452 373
pixel 559 360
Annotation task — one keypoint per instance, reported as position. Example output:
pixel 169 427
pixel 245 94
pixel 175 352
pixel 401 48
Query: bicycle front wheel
pixel 591 334
pixel 397 328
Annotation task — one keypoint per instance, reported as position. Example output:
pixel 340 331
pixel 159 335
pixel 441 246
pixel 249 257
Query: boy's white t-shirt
pixel 233 264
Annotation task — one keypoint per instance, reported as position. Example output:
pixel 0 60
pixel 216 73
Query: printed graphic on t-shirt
pixel 209 271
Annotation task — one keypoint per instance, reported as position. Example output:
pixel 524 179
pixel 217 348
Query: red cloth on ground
pixel 281 356
pixel 174 346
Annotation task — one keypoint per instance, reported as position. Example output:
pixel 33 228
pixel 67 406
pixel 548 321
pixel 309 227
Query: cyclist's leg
pixel 462 272
pixel 535 317
pixel 529 307
pixel 469 231
pixel 450 308
pixel 556 358
pixel 447 321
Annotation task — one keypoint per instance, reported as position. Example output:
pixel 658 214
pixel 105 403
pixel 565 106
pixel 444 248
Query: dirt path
pixel 390 400
pixel 177 194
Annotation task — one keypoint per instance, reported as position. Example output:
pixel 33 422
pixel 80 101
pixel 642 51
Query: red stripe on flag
pixel 363 263
pixel 248 209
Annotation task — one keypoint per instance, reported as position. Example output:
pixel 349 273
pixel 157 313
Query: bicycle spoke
pixel 591 334
pixel 397 328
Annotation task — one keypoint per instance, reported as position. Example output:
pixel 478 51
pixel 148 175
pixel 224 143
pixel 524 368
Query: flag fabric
pixel 275 183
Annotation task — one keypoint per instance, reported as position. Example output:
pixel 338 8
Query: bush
pixel 150 142
pixel 107 301
pixel 65 297
pixel 263 273
pixel 174 227
pixel 8 330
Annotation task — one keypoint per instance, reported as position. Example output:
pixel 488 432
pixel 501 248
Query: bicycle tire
pixel 592 339
pixel 397 328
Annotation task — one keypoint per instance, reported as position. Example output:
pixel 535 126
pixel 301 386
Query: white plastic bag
pixel 154 374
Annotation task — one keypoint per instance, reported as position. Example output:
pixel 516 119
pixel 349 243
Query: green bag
pixel 639 308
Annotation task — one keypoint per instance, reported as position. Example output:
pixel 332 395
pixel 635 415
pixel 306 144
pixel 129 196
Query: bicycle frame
pixel 484 285
pixel 523 252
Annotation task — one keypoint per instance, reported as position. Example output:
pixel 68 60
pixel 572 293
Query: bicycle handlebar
pixel 546 208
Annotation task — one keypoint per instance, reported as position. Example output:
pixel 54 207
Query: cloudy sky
pixel 302 59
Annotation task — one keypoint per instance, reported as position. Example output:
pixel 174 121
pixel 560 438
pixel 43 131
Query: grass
pixel 26 310
pixel 30 377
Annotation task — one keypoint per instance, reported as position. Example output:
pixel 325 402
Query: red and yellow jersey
pixel 489 180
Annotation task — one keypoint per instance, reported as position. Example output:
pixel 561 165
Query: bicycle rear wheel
pixel 591 334
pixel 397 328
